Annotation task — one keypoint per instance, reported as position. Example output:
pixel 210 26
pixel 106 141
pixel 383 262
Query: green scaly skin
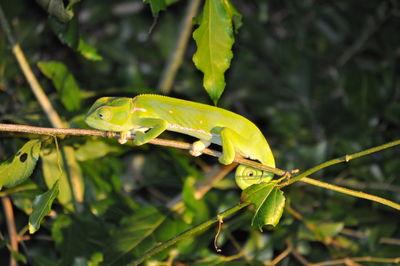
pixel 149 115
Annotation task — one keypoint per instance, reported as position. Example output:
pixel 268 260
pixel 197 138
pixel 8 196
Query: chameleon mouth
pixel 102 125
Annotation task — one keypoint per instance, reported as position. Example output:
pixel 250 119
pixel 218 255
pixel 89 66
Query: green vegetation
pixel 319 78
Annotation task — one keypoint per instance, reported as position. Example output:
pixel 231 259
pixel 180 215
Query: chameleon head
pixel 246 176
pixel 111 114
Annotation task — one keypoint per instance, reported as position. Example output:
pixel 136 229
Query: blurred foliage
pixel 320 79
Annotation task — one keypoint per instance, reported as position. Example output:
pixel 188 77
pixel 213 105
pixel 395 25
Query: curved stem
pixel 342 159
pixel 188 233
pixel 351 192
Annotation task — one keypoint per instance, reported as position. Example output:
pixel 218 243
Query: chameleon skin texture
pixel 149 115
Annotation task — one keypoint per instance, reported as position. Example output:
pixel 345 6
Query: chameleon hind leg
pixel 198 147
pixel 245 176
pixel 231 142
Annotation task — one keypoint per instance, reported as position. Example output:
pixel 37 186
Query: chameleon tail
pixel 246 176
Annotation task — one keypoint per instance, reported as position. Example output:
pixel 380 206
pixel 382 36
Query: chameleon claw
pixel 124 137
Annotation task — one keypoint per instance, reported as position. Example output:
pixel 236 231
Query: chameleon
pixel 148 115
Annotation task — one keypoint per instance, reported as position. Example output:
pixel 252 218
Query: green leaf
pixel 234 14
pixel 67 33
pixel 17 255
pixel 156 6
pixel 329 229
pixel 82 235
pixel 133 231
pixel 195 209
pixel 42 207
pixel 21 167
pixel 56 8
pixel 54 171
pixel 94 149
pixel 268 201
pixel 64 82
pixel 88 51
pixel 214 40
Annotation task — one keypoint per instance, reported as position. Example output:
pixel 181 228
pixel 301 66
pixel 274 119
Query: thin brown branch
pixel 61 132
pixel 51 113
pixel 238 159
pixel 281 256
pixel 205 186
pixel 12 231
pixel 348 261
pixel 175 61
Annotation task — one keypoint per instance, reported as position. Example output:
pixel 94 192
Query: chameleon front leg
pixel 157 126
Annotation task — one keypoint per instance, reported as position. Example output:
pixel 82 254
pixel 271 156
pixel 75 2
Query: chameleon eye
pixel 104 114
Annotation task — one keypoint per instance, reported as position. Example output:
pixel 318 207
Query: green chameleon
pixel 147 116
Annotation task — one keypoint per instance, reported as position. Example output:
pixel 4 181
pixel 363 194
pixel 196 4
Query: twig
pixel 26 69
pixel 187 234
pixel 12 232
pixel 350 192
pixel 52 115
pixel 369 29
pixel 342 159
pixel 204 187
pixel 175 61
pixel 238 159
pixel 281 256
pixel 357 259
pixel 162 142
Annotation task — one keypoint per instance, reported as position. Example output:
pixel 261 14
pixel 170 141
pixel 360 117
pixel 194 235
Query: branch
pixel 175 61
pixel 188 233
pixel 30 77
pixel 351 192
pixel 61 132
pixel 12 232
pixel 343 159
pixel 238 159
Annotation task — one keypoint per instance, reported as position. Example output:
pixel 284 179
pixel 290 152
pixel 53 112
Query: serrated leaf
pixel 64 82
pixel 42 207
pixel 89 51
pixel 132 232
pixel 214 40
pixel 22 165
pixel 268 201
pixel 234 14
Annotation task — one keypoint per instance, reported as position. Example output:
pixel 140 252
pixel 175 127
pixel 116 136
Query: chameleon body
pixel 147 116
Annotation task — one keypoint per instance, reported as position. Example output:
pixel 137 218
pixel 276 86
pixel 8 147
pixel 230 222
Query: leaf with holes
pixel 17 170
pixel 269 202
